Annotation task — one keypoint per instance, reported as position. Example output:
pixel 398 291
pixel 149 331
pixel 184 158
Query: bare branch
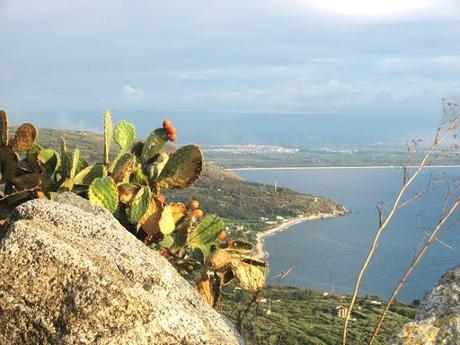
pixel 411 267
pixel 452 124
pixel 282 275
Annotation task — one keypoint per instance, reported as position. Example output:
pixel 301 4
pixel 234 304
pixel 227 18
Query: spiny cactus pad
pixel 139 205
pixel 183 168
pixel 154 144
pixel 24 137
pixel 206 231
pixel 3 128
pixel 103 192
pixel 124 134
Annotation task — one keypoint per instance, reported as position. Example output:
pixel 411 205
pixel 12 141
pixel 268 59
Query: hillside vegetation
pixel 293 316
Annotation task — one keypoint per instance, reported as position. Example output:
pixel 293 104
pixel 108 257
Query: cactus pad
pixel 150 221
pixel 241 246
pixel 167 224
pixel 210 290
pixel 137 148
pixel 8 163
pixel 183 168
pixel 89 174
pixel 29 181
pixel 206 231
pixel 154 144
pixel 179 211
pixel 139 178
pixel 124 134
pixel 167 242
pixel 107 136
pixel 103 192
pixel 73 163
pixel 24 137
pixel 63 155
pixel 139 205
pixel 49 160
pixel 126 192
pixel 124 167
pixel 67 185
pixel 250 277
pixel 3 128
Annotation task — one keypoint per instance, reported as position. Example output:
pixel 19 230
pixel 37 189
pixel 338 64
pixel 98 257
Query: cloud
pixel 423 63
pixel 370 10
pixel 131 94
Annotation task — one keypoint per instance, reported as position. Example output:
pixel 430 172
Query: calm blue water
pixel 331 251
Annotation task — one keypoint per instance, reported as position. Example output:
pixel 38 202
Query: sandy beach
pixel 260 252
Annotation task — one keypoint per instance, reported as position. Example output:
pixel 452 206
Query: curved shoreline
pixel 261 253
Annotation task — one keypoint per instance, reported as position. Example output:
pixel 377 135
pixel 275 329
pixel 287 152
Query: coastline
pixel 261 253
pixel 342 167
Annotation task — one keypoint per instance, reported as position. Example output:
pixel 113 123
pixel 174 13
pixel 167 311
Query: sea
pixel 326 254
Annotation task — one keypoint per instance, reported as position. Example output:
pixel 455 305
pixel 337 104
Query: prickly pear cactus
pixel 24 137
pixel 206 231
pixel 3 128
pixel 139 205
pixel 103 192
pixel 49 160
pixel 183 168
pixel 89 174
pixel 167 224
pixel 107 136
pixel 130 188
pixel 124 168
pixel 124 134
pixel 154 144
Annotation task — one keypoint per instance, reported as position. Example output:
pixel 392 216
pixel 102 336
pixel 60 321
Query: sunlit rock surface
pixel 71 274
pixel 438 318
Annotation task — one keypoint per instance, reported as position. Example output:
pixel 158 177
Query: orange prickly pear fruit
pixel 197 213
pixel 172 137
pixel 167 124
pixel 221 236
pixel 194 204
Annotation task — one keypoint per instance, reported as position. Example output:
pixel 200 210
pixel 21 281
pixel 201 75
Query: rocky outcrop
pixel 71 274
pixel 438 318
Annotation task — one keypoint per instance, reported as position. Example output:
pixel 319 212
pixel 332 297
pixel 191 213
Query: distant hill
pixel 225 193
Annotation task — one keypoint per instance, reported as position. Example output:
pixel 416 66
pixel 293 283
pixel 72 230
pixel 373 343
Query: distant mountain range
pixel 295 130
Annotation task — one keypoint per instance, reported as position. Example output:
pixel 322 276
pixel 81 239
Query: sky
pixel 383 64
